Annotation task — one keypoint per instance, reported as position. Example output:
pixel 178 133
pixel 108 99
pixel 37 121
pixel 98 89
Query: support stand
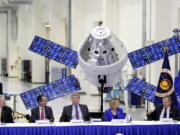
pixel 102 81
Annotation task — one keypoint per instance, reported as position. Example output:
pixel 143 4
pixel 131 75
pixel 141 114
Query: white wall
pixel 25 35
pixel 12 55
pixel 130 23
pixel 110 14
pixel 3 35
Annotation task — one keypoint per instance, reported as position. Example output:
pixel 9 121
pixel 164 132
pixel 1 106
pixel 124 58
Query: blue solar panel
pixel 154 52
pixel 52 90
pixel 54 51
pixel 141 88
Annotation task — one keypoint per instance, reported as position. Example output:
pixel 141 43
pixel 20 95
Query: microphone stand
pixel 102 81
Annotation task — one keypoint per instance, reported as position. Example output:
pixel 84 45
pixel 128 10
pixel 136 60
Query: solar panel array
pixel 141 88
pixel 54 51
pixel 154 52
pixel 52 90
pixel 69 58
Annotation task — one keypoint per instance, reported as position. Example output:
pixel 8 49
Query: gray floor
pixel 14 86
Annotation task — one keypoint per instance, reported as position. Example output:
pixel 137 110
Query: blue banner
pixel 177 89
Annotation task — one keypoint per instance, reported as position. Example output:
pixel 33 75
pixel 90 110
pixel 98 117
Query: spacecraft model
pixel 102 56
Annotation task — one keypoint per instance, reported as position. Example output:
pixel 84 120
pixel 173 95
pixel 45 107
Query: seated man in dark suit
pixel 166 110
pixel 5 112
pixel 42 112
pixel 75 111
pixel 1 88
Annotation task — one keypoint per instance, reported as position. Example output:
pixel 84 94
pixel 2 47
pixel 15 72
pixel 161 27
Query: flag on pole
pixel 165 85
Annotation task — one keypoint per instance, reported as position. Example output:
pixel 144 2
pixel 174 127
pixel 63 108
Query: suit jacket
pixel 108 115
pixel 35 114
pixel 173 113
pixel 1 88
pixel 6 115
pixel 67 113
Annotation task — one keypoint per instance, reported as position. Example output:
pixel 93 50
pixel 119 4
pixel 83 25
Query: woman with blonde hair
pixel 114 112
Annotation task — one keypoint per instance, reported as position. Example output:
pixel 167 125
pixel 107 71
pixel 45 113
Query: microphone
pixel 115 117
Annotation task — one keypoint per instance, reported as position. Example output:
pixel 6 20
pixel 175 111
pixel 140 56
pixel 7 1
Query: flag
pixel 177 89
pixel 165 85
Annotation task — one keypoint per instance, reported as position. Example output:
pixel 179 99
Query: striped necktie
pixel 42 113
pixel 77 113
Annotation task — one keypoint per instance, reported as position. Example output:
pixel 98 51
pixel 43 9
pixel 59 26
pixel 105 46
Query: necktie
pixel 42 114
pixel 77 113
pixel 0 114
pixel 165 113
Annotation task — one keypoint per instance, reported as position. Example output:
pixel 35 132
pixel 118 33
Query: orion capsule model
pixel 102 55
